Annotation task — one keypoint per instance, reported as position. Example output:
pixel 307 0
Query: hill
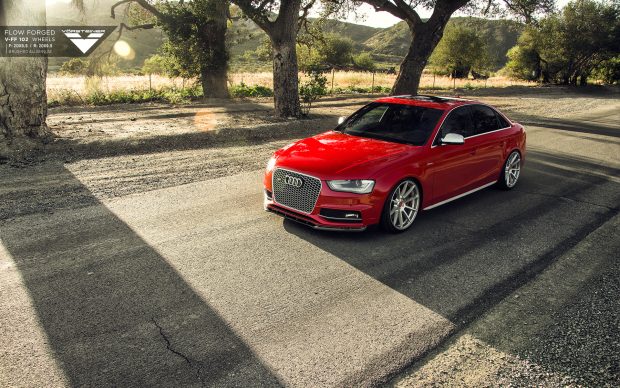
pixel 500 36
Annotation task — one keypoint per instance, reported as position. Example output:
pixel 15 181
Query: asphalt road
pixel 196 285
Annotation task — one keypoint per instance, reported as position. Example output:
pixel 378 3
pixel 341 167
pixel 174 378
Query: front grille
pixel 294 190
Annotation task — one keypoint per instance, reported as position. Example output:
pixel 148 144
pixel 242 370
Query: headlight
pixel 271 163
pixel 358 186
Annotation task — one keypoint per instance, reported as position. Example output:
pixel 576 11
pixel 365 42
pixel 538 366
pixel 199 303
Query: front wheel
pixel 401 207
pixel 511 171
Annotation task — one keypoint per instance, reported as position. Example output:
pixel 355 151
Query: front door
pixel 451 167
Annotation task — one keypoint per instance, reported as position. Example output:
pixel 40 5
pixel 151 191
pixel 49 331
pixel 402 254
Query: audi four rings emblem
pixel 293 181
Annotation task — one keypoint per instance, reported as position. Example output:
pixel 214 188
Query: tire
pixel 511 171
pixel 401 207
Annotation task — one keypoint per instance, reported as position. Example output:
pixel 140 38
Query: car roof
pixel 437 102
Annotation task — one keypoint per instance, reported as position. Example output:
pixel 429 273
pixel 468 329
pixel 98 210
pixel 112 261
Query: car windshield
pixel 393 122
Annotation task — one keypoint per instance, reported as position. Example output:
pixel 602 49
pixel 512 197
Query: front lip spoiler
pixel 300 220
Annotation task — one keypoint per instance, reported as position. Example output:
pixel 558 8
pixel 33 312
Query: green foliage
pixel 97 96
pixel 568 46
pixel 243 90
pixel 363 61
pixel 362 90
pixel 523 59
pixel 335 50
pixel 156 64
pixel 309 58
pixel 608 71
pixel 325 52
pixel 460 50
pixel 312 89
pixel 75 66
pixel 499 35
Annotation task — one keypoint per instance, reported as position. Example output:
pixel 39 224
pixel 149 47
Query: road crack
pixel 196 365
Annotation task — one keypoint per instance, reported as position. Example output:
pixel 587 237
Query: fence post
pixel 150 85
pixel 372 89
pixel 333 74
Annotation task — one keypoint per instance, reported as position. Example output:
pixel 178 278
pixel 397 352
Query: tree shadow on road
pixel 463 258
pixel 115 312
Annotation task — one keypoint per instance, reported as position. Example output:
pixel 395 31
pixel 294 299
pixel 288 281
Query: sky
pixel 385 19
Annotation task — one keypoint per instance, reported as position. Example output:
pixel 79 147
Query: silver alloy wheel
pixel 404 205
pixel 512 169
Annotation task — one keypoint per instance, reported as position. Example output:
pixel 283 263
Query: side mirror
pixel 341 119
pixel 453 138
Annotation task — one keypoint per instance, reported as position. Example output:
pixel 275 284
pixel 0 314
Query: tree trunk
pixel 214 56
pixel 426 36
pixel 214 83
pixel 285 69
pixel 23 98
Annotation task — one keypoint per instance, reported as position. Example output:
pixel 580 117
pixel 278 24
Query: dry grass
pixel 58 86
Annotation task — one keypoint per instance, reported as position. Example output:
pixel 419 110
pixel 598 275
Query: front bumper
pixel 312 222
pixel 321 217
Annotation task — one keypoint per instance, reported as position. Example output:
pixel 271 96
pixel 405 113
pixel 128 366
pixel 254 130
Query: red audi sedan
pixel 391 159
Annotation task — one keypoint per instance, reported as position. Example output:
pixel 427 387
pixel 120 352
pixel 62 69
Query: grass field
pixel 77 89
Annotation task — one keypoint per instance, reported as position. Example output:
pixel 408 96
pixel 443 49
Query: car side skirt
pixel 459 196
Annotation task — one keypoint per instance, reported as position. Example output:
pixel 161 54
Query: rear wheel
pixel 511 171
pixel 401 207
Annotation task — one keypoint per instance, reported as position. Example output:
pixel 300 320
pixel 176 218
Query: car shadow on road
pixel 578 126
pixel 463 258
pixel 114 311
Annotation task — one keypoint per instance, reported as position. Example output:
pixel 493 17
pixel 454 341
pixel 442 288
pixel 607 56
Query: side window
pixel 484 118
pixel 458 121
pixel 503 123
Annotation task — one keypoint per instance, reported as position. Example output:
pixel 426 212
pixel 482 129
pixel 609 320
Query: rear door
pixel 451 166
pixel 488 142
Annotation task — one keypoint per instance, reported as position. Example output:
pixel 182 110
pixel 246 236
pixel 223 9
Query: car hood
pixel 334 154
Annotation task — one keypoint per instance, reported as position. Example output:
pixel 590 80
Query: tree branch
pixel 412 15
pixel 144 4
pixel 258 15
pixel 387 6
pixel 304 14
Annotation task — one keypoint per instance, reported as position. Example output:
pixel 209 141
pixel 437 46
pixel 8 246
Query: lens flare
pixel 124 50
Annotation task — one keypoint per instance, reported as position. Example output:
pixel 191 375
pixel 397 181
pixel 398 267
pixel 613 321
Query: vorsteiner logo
pixel 84 39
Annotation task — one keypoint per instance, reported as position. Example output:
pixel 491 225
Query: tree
pixel 281 28
pixel 460 51
pixel 197 34
pixel 23 98
pixel 364 62
pixel 567 47
pixel 427 34
pixel 329 51
pixel 608 70
pixel 335 50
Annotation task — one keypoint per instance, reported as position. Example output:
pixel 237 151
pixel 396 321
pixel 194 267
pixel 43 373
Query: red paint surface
pixel 442 171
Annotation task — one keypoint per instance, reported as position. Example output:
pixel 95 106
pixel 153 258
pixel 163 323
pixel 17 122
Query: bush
pixel 362 90
pixel 364 62
pixel 312 89
pixel 74 66
pixel 243 90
